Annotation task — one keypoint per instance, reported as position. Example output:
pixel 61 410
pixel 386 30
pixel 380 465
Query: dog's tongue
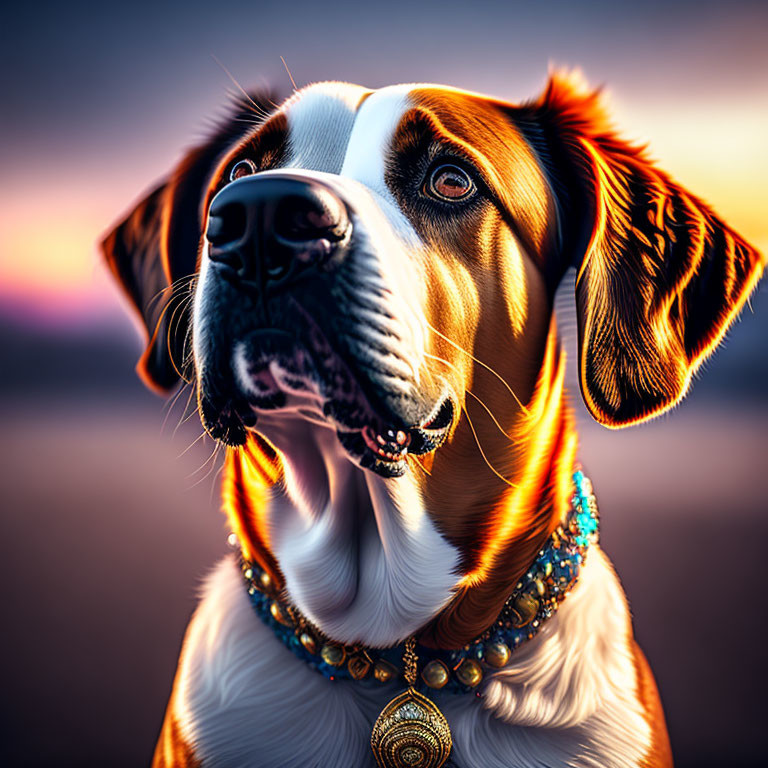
pixel 391 445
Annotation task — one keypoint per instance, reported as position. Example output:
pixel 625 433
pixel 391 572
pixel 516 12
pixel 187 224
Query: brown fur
pixel 660 752
pixel 248 476
pixel 172 749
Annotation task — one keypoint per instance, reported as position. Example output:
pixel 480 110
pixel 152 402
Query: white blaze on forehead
pixel 372 135
pixel 320 120
pixel 345 129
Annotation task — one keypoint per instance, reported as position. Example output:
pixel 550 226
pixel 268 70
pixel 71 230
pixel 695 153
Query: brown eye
pixel 449 182
pixel 242 168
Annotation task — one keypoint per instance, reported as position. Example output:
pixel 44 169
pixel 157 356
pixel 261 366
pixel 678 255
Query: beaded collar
pixel 535 598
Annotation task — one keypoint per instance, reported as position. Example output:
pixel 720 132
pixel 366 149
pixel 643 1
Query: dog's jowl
pixel 359 286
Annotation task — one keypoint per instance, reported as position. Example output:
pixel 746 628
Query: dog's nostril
pixel 226 224
pixel 301 219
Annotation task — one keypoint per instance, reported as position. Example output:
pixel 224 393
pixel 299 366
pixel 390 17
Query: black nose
pixel 271 229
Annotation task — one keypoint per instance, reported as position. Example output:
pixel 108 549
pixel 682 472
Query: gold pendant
pixel 411 732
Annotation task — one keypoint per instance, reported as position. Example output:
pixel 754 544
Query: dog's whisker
pixel 175 325
pixel 187 351
pixel 482 452
pixel 415 460
pixel 212 461
pixel 172 405
pixel 247 121
pixel 168 335
pixel 168 405
pixel 182 282
pixel 181 306
pixel 490 413
pixel 256 107
pixel 472 394
pixel 185 417
pixel 482 364
pixel 215 478
pixel 290 76
pixel 193 443
pixel 210 458
pixel 187 356
pixel 250 113
pixel 178 311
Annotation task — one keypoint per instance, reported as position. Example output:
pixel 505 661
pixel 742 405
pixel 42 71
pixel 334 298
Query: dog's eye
pixel 242 168
pixel 449 182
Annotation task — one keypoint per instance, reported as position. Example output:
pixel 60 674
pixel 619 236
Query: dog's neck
pixel 372 561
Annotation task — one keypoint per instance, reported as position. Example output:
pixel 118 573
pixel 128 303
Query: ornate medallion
pixel 411 732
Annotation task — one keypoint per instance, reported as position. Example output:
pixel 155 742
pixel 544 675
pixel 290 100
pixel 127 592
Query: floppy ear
pixel 155 248
pixel 659 276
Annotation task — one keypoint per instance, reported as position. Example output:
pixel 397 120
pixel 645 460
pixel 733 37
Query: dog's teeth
pixel 396 442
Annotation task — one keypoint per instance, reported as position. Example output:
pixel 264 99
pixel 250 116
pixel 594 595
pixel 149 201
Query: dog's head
pixel 368 263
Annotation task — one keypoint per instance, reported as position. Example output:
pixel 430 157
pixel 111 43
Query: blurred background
pixel 110 519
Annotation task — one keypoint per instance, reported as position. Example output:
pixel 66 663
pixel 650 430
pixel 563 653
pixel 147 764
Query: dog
pixel 359 285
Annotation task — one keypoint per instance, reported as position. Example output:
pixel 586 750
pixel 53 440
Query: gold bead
pixel 333 654
pixel 358 667
pixel 309 642
pixel 248 573
pixel 383 671
pixel 497 654
pixel 469 673
pixel 435 674
pixel 265 580
pixel 524 610
pixel 540 587
pixel 279 615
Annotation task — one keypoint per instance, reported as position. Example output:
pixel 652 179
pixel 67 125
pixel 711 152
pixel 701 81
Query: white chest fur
pixel 360 556
pixel 568 697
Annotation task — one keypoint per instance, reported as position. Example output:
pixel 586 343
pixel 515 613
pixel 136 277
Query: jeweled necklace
pixel 411 731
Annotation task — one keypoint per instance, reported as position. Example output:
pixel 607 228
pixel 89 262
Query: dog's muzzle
pixel 296 306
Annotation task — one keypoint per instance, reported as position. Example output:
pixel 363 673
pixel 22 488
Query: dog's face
pixel 358 246
pixel 359 271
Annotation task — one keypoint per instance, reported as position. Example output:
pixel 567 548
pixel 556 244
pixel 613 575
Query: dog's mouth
pixel 385 449
pixel 274 378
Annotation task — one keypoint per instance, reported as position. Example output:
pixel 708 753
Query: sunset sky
pixel 102 101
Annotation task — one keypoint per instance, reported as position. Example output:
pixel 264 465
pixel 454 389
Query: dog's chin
pixel 370 440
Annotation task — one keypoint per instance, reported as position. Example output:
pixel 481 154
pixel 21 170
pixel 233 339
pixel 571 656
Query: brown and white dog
pixel 362 283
